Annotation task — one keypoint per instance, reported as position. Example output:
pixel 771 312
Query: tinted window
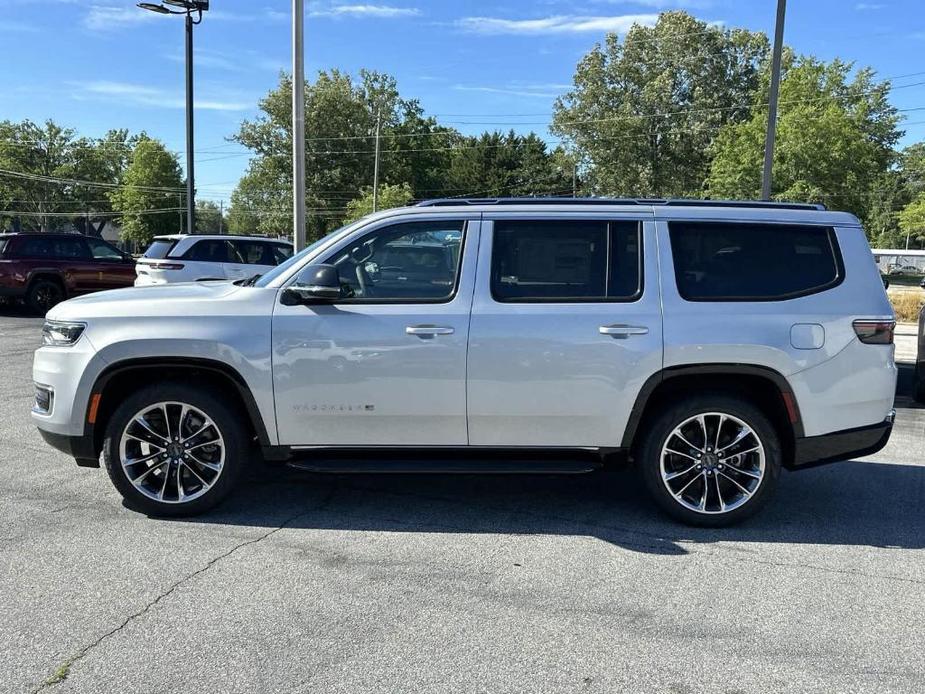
pixel 212 251
pixel 159 248
pixel 568 260
pixel 52 248
pixel 101 250
pixel 281 253
pixel 3 244
pixel 418 261
pixel 722 261
pixel 255 252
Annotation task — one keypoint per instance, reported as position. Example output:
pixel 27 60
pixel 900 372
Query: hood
pixel 182 300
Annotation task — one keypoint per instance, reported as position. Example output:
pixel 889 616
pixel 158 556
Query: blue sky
pixel 99 64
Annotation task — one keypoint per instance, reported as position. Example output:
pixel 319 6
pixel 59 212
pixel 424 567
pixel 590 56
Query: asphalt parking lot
pixel 306 583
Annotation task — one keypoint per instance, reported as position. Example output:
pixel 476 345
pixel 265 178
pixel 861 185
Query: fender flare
pixel 668 373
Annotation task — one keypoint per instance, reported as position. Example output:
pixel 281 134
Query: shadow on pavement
pixel 852 503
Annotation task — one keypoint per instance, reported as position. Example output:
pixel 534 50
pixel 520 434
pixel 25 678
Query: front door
pixel 385 365
pixel 112 269
pixel 566 327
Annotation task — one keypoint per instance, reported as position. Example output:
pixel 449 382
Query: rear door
pixel 566 327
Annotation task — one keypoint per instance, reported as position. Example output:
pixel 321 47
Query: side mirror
pixel 316 284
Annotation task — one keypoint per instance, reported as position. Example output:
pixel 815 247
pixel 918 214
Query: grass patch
pixel 60 674
pixel 906 305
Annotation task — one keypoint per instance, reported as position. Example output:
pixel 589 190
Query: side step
pixel 379 461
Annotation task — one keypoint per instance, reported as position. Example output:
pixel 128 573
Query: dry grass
pixel 907 305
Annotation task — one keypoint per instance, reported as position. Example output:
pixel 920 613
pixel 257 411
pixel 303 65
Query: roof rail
pixel 666 202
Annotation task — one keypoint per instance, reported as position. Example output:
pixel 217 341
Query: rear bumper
pixel 810 451
pixel 79 447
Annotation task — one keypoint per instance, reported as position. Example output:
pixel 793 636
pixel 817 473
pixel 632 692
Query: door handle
pixel 621 331
pixel 429 330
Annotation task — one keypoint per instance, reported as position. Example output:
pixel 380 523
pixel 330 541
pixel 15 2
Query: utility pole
pixel 772 101
pixel 298 124
pixel 221 216
pixel 190 175
pixel 575 180
pixel 376 163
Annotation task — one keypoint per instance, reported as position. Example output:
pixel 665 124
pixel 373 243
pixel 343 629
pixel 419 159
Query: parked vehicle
pixel 711 343
pixel 195 258
pixel 45 268
pixel 919 387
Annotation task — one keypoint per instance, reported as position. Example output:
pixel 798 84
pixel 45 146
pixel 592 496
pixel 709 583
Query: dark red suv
pixel 46 268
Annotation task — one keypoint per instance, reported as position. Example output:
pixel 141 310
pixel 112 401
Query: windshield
pixel 299 257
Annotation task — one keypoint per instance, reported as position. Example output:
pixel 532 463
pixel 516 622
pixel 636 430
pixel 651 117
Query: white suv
pixel 710 343
pixel 195 258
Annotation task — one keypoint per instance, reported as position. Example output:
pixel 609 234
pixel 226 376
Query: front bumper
pixel 78 447
pixel 810 451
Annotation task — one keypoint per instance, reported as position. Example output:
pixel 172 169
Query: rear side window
pixel 52 248
pixel 213 251
pixel 739 261
pixel 159 248
pixel 564 261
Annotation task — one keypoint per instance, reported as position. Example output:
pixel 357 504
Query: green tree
pixel 209 218
pixel 340 121
pixel 151 183
pixel 643 111
pixel 389 196
pixel 497 164
pixel 835 139
pixel 47 168
pixel 912 221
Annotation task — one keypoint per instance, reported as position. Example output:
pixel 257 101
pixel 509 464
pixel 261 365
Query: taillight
pixel 167 266
pixel 875 332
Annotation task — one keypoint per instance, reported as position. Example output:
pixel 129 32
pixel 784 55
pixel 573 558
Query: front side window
pixel 566 260
pixel 281 253
pixel 255 253
pixel 417 261
pixel 740 261
pixel 100 250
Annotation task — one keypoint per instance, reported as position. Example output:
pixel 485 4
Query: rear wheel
pixel 173 450
pixel 711 460
pixel 43 295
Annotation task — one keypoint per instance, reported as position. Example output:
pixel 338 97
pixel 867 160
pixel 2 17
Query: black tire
pixel 660 429
pixel 229 425
pixel 43 294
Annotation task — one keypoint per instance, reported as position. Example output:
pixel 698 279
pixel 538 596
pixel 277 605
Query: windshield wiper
pixel 249 282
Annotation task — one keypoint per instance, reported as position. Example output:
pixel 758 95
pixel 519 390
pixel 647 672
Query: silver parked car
pixel 712 343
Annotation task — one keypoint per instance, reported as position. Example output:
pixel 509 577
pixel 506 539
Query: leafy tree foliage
pixel 835 139
pixel 389 196
pixel 150 183
pixel 643 111
pixel 209 218
pixel 37 155
pixel 912 221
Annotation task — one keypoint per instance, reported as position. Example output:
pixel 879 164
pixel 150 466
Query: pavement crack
pixel 63 670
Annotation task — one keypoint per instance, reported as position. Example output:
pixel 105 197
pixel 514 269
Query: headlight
pixel 56 332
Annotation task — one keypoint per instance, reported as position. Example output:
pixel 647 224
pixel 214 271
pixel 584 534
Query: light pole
pixel 298 125
pixel 188 8
pixel 772 101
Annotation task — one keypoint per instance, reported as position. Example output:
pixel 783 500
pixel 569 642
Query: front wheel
pixel 174 450
pixel 711 460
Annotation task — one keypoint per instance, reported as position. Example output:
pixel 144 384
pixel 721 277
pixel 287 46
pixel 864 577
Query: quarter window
pixel 736 261
pixel 565 261
pixel 417 261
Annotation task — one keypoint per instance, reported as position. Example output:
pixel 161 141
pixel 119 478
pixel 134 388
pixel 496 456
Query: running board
pixel 379 461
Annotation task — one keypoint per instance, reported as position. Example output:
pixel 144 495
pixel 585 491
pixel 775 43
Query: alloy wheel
pixel 712 463
pixel 172 452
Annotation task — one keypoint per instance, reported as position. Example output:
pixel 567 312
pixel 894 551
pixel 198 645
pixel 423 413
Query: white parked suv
pixel 710 343
pixel 195 258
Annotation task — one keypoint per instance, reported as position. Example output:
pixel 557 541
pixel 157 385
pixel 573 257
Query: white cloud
pixel 102 17
pixel 559 24
pixel 144 95
pixel 385 11
pixel 541 91
pixel 861 6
